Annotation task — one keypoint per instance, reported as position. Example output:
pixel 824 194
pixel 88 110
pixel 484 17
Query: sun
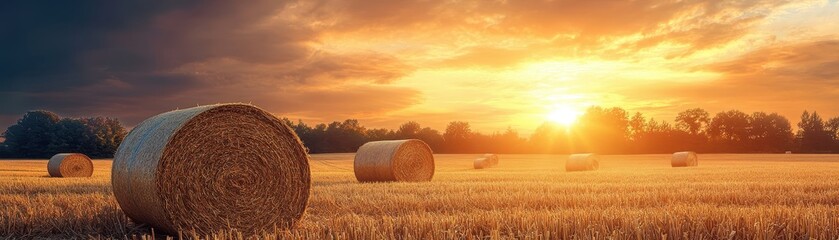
pixel 563 115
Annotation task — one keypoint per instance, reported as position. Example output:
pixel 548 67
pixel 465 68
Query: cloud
pixel 786 78
pixel 549 28
pixel 134 59
pixel 486 57
pixel 333 59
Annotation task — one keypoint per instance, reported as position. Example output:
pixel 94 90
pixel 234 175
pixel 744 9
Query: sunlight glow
pixel 564 115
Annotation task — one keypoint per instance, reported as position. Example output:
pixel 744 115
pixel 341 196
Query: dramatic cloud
pixel 494 63
pixel 132 60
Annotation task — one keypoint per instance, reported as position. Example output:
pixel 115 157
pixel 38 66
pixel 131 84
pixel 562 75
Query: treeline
pixel 601 130
pixel 41 134
pixel 348 135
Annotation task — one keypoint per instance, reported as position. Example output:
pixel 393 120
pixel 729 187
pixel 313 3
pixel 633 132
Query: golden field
pixel 740 196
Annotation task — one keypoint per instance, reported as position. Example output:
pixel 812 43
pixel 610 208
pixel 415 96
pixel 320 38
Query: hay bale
pixel 481 163
pixel 70 165
pixel 493 158
pixel 582 162
pixel 684 159
pixel 231 167
pixel 486 161
pixel 398 160
pixel 788 152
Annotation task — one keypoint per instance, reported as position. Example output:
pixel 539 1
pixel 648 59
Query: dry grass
pixel 526 196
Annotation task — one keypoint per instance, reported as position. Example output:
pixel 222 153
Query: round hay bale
pixel 684 159
pixel 493 159
pixel 482 162
pixel 397 160
pixel 486 161
pixel 582 162
pixel 70 165
pixel 230 167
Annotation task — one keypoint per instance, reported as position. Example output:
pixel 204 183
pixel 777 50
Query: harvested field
pixel 766 196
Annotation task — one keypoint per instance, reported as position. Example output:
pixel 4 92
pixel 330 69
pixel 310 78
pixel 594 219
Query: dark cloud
pixel 132 59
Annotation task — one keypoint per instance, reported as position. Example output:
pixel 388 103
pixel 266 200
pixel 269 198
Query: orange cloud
pixel 494 63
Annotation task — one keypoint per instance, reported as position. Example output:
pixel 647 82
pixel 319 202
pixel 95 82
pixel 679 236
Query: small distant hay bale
pixel 582 162
pixel 70 165
pixel 486 161
pixel 684 159
pixel 397 160
pixel 224 167
pixel 788 152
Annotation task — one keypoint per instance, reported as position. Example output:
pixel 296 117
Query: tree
pixel 549 138
pixel 769 132
pixel 105 134
pixel 692 120
pixel 380 134
pixel 636 126
pixel 659 137
pixel 4 151
pixel 457 137
pixel 408 130
pixel 72 135
pixel 601 130
pixel 812 135
pixel 32 134
pixel 507 142
pixel 832 126
pixel 729 130
pixel 41 134
pixel 431 137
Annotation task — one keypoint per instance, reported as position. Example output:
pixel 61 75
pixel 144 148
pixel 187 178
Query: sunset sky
pixel 495 64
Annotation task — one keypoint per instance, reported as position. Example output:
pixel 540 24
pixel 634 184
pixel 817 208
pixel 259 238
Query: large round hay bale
pixel 684 159
pixel 582 162
pixel 397 160
pixel 231 167
pixel 70 165
pixel 486 161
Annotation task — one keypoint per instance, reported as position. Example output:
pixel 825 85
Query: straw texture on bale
pixel 582 162
pixel 486 161
pixel 231 167
pixel 70 165
pixel 397 160
pixel 684 159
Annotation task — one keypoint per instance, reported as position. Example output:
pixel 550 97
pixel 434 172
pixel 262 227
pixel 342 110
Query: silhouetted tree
pixel 769 132
pixel 636 126
pixel 812 134
pixel 408 130
pixel 104 136
pixel 380 134
pixel 457 137
pixel 41 134
pixel 729 130
pixel 32 135
pixel 432 138
pixel 344 136
pixel 832 126
pixel 692 121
